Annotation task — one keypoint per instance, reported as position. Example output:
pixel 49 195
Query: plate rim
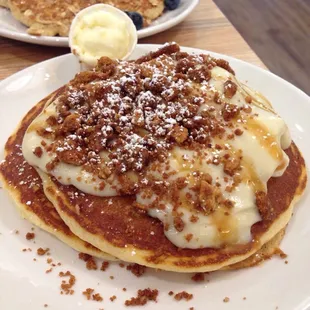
pixel 64 41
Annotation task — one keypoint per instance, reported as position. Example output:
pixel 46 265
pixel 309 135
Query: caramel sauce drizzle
pixel 267 141
pixel 226 225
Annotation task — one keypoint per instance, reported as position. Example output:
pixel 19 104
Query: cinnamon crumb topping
pixel 230 88
pixel 178 223
pixel 38 151
pixel 137 111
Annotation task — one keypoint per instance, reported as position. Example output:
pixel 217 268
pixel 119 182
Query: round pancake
pixel 25 187
pixel 115 226
pixel 42 213
pixel 51 18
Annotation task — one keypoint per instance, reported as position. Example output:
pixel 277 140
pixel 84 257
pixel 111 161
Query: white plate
pixel 11 28
pixel 24 284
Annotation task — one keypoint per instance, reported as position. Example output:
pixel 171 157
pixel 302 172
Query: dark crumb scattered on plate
pixel 136 269
pixel 143 296
pixel 104 266
pixel 112 298
pixel 90 261
pixel 183 295
pixel 88 292
pixel 41 251
pixel 30 236
pixel 66 286
pixel 198 277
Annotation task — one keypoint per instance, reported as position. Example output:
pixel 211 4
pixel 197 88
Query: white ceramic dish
pixel 24 284
pixel 11 28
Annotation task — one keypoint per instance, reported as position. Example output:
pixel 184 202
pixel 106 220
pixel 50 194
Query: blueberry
pixel 136 18
pixel 172 4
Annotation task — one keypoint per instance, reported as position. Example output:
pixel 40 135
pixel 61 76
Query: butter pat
pixel 102 30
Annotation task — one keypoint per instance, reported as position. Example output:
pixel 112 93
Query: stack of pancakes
pixel 52 18
pixel 167 161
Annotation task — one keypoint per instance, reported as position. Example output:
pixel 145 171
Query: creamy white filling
pixel 65 173
pixel 206 231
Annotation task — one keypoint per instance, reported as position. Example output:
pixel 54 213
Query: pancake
pixel 51 18
pixel 25 187
pixel 154 162
pixel 42 213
